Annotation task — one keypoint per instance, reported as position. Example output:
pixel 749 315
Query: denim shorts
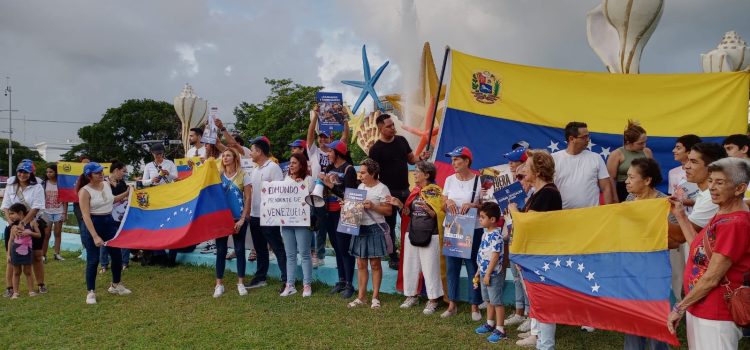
pixel 55 217
pixel 493 293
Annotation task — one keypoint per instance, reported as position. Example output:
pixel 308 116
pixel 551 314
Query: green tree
pixel 115 135
pixel 20 152
pixel 283 117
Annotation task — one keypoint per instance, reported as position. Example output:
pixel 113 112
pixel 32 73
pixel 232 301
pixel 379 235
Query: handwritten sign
pixel 282 203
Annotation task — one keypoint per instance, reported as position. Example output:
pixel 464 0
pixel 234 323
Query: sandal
pixel 375 304
pixel 253 256
pixel 231 255
pixel 355 303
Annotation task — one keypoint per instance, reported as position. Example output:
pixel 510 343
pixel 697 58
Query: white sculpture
pixel 618 30
pixel 192 112
pixel 731 55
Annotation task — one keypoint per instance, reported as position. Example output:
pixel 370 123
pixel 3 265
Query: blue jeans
pixel 105 227
pixel 522 300
pixel 635 342
pixel 453 272
pixel 320 236
pixel 239 250
pixel 104 257
pixel 297 240
pixel 262 237
pixel 341 243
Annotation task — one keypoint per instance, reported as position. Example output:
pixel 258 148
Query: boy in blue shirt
pixel 490 271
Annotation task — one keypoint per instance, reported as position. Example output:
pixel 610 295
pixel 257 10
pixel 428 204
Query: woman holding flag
pixel 237 187
pixel 96 200
pixel 422 215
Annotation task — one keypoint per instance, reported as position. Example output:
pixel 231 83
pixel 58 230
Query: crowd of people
pixel 709 223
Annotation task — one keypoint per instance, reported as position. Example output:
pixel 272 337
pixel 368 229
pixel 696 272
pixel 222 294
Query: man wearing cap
pixel 266 170
pixel 393 154
pixel 161 170
pixel 318 160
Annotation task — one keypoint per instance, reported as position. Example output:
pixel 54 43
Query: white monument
pixel 192 112
pixel 731 55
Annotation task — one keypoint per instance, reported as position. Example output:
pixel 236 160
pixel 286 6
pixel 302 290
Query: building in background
pixel 53 151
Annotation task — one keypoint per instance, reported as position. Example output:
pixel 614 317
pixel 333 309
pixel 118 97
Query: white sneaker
pixel 209 249
pixel 91 298
pixel 241 289
pixel 409 302
pixel 483 305
pixel 119 289
pixel 588 329
pixel 289 290
pixel 524 335
pixel 307 291
pixel 430 308
pixel 514 320
pixel 476 316
pixel 218 290
pixel 525 326
pixel 59 257
pixel 527 342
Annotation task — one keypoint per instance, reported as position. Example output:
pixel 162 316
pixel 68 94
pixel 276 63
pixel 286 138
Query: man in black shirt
pixel 393 154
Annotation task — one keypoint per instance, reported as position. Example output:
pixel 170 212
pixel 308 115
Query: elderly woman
pixel 634 147
pixel 422 214
pixel 369 247
pixel 718 258
pixel 462 191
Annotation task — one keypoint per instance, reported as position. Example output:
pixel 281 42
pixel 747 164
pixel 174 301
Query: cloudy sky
pixel 68 61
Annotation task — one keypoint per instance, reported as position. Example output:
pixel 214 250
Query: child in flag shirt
pixel 491 272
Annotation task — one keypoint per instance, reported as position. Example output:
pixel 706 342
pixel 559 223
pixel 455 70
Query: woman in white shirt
pixel 462 192
pixel 297 239
pixel 24 189
pixel 370 245
pixel 96 199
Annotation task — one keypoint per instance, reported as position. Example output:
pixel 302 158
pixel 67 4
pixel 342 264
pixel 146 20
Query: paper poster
pixel 282 203
pixel 352 211
pixel 459 234
pixel 247 165
pixel 513 193
pixel 331 112
pixel 211 133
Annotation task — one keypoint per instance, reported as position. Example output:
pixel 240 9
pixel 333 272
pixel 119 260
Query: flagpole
pixel 437 98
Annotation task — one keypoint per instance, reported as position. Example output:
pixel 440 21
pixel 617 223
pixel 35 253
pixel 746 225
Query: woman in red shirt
pixel 719 256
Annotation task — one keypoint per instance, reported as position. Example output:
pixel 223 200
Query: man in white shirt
pixel 197 148
pixel 161 170
pixel 266 170
pixel 580 175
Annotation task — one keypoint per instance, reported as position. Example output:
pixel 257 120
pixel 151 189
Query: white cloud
pixel 228 70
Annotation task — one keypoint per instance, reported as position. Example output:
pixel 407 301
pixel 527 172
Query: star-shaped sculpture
pixel 368 85
pixel 422 103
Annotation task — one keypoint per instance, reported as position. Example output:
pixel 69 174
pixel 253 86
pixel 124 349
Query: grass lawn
pixel 173 308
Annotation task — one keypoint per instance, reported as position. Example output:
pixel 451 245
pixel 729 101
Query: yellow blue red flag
pixel 492 105
pixel 67 175
pixel 178 214
pixel 606 267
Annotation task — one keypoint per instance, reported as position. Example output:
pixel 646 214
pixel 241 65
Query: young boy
pixel 491 272
pixel 19 247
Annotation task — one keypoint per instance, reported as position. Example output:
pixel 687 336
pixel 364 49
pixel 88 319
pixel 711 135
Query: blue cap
pixel 299 143
pixel 516 155
pixel 92 167
pixel 324 133
pixel 25 166
pixel 338 146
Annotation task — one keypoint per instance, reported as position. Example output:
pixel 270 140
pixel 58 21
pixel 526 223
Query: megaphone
pixel 315 199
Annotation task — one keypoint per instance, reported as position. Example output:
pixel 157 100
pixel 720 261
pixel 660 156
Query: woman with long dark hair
pixel 297 239
pixel 54 211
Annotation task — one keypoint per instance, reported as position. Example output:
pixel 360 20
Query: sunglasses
pixel 520 177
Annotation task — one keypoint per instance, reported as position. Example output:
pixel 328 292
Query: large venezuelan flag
pixel 605 267
pixel 176 215
pixel 491 105
pixel 67 175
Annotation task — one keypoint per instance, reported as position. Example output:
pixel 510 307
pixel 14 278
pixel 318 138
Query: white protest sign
pixel 282 203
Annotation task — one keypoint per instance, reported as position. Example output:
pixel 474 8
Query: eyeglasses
pixel 583 137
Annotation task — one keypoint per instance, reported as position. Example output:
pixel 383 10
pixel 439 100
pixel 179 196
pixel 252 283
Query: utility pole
pixel 10 110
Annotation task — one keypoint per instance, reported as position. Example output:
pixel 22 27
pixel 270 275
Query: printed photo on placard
pixel 352 211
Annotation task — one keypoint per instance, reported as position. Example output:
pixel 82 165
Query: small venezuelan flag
pixel 67 176
pixel 176 215
pixel 183 166
pixel 606 267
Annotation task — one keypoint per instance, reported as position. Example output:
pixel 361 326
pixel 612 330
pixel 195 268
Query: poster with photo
pixel 459 234
pixel 352 211
pixel 512 193
pixel 211 133
pixel 331 112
